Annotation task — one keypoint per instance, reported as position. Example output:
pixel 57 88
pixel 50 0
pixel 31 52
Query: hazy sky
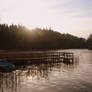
pixel 65 16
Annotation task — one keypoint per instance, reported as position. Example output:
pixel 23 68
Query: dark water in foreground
pixel 51 77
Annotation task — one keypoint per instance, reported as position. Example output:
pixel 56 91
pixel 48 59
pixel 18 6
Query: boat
pixel 6 66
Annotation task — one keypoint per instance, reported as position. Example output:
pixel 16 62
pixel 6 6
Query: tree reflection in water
pixel 11 82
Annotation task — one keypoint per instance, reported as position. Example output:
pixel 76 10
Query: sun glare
pixel 47 13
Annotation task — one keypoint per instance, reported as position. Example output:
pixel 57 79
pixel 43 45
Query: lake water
pixel 53 77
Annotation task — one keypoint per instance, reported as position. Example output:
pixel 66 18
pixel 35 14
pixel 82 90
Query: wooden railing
pixel 46 56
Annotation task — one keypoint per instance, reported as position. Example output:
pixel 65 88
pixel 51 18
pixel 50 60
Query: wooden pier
pixel 38 56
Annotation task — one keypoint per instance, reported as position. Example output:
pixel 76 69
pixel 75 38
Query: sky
pixel 65 16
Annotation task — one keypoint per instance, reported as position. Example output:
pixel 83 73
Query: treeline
pixel 21 38
pixel 89 42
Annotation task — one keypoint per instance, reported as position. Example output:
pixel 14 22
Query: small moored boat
pixel 6 66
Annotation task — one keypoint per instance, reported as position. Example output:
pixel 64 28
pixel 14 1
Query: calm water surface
pixel 53 77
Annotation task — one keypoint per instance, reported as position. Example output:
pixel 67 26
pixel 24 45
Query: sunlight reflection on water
pixel 51 77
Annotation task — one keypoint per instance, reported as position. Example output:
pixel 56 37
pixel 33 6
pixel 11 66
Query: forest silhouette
pixel 18 37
